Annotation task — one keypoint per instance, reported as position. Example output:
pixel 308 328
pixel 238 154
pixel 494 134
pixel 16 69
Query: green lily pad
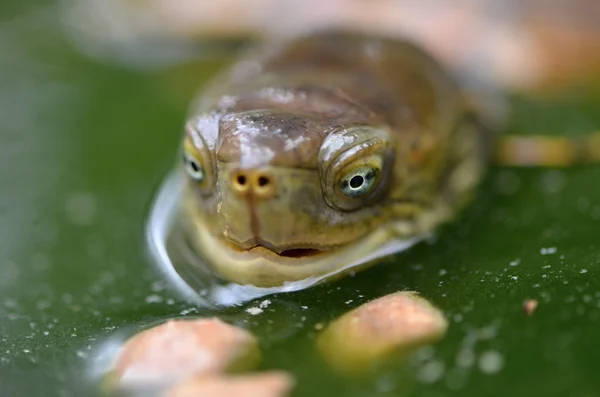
pixel 84 147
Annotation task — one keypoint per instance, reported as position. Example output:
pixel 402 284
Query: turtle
pixel 314 156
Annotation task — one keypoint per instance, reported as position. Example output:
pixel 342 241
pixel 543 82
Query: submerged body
pixel 316 152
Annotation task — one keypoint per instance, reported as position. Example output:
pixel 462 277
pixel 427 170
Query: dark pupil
pixel 356 181
pixel 194 166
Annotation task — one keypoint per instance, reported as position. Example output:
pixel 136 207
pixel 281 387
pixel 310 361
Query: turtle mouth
pixel 291 253
pixel 300 252
pixel 260 264
pixel 264 248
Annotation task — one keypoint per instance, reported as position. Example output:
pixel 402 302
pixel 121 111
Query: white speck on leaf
pixel 153 299
pixel 254 310
pixel 264 304
pixel 548 251
pixel 431 372
pixel 491 362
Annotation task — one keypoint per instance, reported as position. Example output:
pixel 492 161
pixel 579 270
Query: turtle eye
pixel 197 161
pixel 356 164
pixel 193 168
pixel 360 181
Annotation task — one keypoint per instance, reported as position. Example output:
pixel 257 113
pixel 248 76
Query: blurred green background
pixel 83 148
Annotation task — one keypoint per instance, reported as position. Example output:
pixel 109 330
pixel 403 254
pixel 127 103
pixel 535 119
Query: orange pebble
pixel 178 349
pixel 394 323
pixel 266 384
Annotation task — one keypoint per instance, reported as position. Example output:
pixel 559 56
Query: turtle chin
pixel 263 266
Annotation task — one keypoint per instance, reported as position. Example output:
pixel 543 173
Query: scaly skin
pixel 277 138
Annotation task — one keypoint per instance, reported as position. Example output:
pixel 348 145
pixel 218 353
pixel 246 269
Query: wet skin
pixel 313 153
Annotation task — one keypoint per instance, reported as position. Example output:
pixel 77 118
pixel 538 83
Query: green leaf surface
pixel 83 148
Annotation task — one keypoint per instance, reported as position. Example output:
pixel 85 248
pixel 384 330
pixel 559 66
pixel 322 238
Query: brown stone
pixel 266 384
pixel 529 306
pixel 396 323
pixel 179 349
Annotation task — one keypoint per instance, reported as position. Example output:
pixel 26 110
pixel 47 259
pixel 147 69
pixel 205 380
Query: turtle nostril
pixel 263 181
pixel 264 185
pixel 239 182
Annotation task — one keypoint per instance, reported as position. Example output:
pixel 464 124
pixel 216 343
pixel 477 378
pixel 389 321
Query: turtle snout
pixel 259 183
